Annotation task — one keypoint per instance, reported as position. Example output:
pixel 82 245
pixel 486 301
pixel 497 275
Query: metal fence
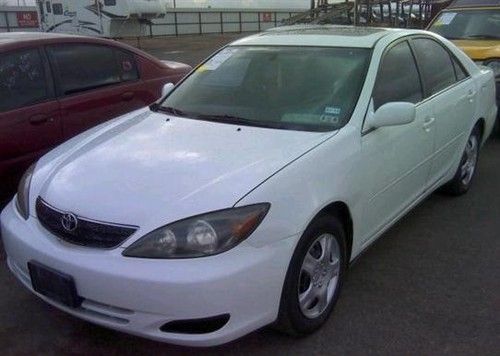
pixel 176 22
pixel 208 21
pixel 18 18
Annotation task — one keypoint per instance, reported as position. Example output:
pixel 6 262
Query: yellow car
pixel 474 26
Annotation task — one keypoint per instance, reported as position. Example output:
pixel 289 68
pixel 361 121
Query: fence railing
pixel 210 21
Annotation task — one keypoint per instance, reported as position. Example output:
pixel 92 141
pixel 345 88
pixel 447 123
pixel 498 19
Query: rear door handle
pixel 40 119
pixel 471 94
pixel 128 96
pixel 428 123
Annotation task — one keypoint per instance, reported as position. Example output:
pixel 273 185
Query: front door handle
pixel 40 119
pixel 428 123
pixel 128 96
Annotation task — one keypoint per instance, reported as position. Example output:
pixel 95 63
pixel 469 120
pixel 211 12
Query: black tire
pixel 458 185
pixel 291 319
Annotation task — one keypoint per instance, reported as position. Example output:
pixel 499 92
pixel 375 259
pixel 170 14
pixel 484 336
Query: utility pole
pixel 98 3
pixel 355 22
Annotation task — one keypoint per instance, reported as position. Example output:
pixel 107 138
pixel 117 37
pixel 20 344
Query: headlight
pixel 23 193
pixel 202 235
pixel 494 64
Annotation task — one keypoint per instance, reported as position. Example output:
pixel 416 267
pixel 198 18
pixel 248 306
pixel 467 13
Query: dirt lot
pixel 188 49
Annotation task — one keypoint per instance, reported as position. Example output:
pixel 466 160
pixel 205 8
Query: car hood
pixel 479 49
pixel 149 169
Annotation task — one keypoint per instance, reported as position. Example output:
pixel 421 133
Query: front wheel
pixel 314 277
pixel 462 180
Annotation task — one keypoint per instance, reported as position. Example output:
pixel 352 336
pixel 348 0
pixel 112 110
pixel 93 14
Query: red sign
pixel 27 19
pixel 267 17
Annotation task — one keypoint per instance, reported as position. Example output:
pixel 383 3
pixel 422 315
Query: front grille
pixel 87 232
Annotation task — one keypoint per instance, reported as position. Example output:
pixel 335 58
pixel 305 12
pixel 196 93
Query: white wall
pixel 262 4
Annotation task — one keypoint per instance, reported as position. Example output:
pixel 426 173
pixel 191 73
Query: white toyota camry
pixel 239 200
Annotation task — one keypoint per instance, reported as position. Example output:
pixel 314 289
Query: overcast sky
pixel 220 3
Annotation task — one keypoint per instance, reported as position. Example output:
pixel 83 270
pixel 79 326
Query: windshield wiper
pixel 168 110
pixel 236 120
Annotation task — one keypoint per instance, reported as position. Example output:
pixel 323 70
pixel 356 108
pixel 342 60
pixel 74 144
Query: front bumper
pixel 138 296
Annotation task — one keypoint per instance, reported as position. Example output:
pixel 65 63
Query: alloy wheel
pixel 319 276
pixel 470 160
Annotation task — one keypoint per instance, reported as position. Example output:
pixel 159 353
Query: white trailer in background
pixel 106 18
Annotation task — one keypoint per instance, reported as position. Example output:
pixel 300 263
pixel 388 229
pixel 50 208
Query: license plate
pixel 53 284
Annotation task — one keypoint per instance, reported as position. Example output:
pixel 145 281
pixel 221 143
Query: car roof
pixel 18 40
pixel 9 37
pixel 321 35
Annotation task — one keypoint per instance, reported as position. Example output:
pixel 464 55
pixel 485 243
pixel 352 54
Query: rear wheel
pixel 462 180
pixel 314 277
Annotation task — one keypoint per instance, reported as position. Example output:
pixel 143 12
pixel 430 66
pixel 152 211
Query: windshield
pixel 296 88
pixel 468 24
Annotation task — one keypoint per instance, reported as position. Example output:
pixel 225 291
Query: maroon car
pixel 53 87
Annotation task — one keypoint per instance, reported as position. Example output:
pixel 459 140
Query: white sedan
pixel 239 199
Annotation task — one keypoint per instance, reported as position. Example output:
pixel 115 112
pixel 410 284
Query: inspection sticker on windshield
pixel 332 110
pixel 330 119
pixel 446 18
pixel 219 58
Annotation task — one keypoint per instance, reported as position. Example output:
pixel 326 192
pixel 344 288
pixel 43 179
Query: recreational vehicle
pixel 106 18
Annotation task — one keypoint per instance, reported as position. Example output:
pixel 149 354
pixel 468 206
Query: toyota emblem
pixel 69 222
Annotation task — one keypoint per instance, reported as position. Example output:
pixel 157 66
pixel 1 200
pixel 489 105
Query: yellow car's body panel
pixel 479 50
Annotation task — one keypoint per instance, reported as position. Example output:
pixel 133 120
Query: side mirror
pixel 167 88
pixel 393 114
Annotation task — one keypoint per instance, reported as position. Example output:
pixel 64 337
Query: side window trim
pixel 55 71
pixel 49 73
pixel 419 71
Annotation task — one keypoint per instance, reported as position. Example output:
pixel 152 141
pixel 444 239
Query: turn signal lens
pixel 23 193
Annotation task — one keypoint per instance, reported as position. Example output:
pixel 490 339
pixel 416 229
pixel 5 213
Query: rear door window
pixel 23 79
pixel 127 65
pixel 460 72
pixel 398 78
pixel 83 67
pixel 436 65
